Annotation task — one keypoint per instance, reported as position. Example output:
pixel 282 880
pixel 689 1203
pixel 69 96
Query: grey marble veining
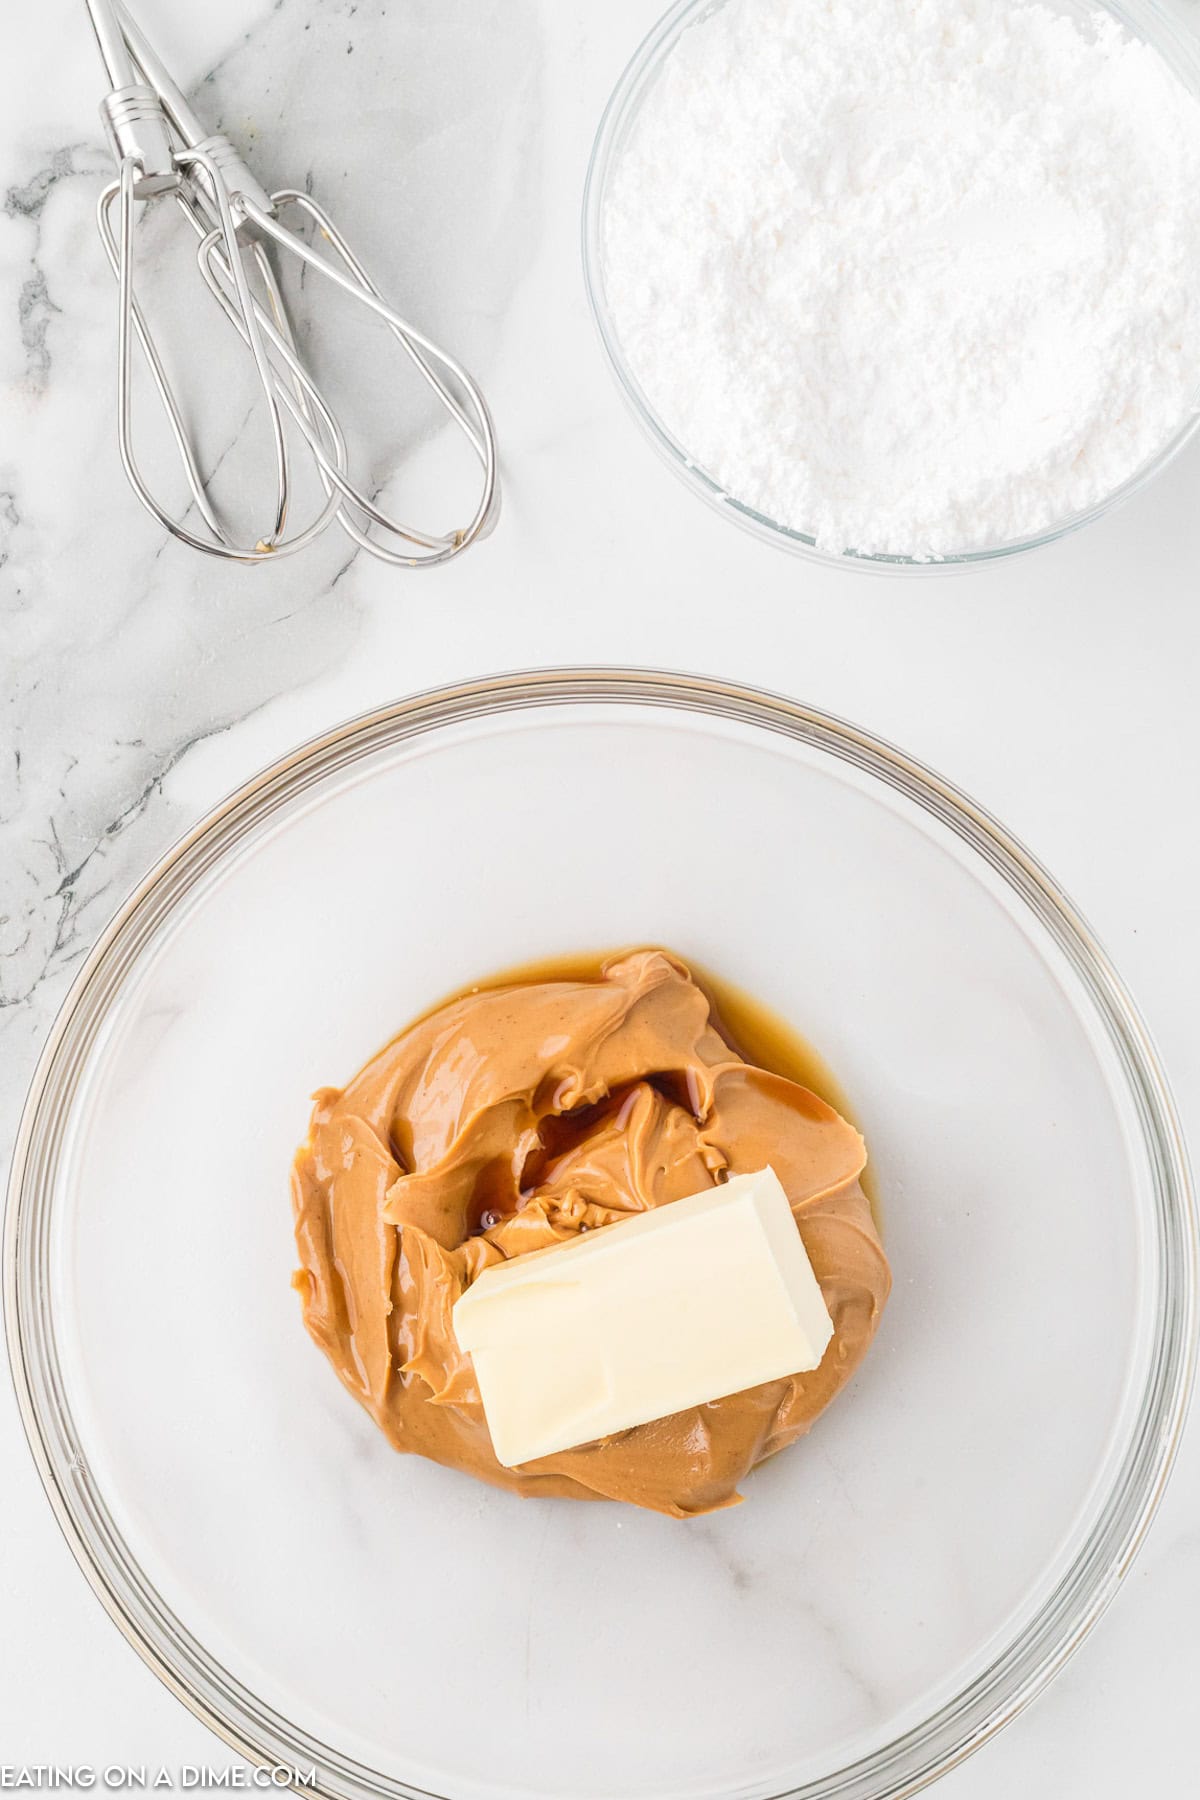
pixel 124 650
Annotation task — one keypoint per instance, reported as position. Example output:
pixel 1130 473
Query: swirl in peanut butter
pixel 510 1120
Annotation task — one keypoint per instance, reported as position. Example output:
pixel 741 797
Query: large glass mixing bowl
pixel 1178 44
pixel 895 1586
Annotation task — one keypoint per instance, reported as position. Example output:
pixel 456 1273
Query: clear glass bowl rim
pixel 263 1736
pixel 1146 19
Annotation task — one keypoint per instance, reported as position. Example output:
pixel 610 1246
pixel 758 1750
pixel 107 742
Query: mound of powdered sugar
pixel 911 276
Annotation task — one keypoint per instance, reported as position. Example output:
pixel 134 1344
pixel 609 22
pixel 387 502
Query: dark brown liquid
pixel 757 1033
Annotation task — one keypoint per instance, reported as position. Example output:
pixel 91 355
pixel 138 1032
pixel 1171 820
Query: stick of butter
pixel 675 1307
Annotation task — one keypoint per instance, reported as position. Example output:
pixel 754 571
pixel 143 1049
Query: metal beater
pixel 160 147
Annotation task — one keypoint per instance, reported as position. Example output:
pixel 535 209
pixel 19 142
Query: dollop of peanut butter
pixel 512 1119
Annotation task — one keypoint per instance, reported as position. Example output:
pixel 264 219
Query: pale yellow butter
pixel 673 1308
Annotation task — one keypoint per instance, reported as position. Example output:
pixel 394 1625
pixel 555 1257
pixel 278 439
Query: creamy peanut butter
pixel 514 1118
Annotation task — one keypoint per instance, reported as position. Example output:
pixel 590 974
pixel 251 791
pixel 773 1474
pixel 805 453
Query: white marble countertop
pixel 140 682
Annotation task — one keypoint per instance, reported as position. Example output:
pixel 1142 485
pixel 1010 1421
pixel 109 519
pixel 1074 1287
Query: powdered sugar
pixel 911 276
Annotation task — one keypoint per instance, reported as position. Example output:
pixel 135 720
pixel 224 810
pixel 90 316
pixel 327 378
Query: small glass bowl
pixel 1145 18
